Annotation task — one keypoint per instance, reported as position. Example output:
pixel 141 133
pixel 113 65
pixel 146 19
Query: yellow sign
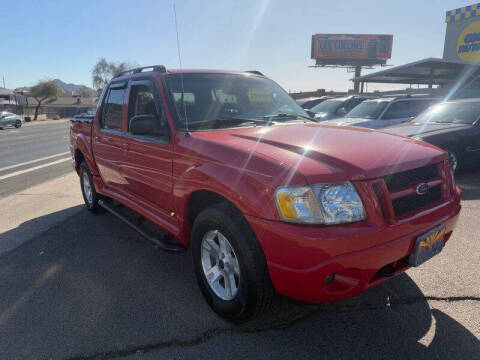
pixel 432 239
pixel 468 43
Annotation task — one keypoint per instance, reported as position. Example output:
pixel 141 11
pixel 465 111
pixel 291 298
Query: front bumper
pixel 300 258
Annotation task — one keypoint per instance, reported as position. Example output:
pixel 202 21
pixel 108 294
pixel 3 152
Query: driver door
pixel 148 162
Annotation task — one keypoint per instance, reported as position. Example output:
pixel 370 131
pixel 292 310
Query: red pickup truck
pixel 268 200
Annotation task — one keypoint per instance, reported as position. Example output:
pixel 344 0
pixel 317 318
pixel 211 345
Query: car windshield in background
pixel 367 110
pixel 212 101
pixel 461 113
pixel 328 106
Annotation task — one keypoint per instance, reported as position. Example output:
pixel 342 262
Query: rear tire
pixel 90 196
pixel 241 262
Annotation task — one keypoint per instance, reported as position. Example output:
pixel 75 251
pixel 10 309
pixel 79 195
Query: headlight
pixel 320 204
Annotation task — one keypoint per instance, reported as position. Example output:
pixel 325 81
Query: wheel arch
pixel 83 153
pixel 200 200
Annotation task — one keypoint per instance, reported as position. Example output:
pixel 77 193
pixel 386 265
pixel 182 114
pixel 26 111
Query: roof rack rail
pixel 155 68
pixel 256 72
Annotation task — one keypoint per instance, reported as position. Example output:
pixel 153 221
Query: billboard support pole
pixel 430 80
pixel 356 84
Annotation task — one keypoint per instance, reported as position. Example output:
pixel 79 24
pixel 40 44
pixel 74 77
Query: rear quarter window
pixel 112 113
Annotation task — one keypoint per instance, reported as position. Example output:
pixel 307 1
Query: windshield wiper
pixel 286 116
pixel 244 120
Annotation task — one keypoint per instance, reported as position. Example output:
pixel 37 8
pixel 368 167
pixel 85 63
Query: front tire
pixel 229 264
pixel 454 159
pixel 18 124
pixel 90 196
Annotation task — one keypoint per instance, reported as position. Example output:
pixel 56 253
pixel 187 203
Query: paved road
pixel 87 287
pixel 33 154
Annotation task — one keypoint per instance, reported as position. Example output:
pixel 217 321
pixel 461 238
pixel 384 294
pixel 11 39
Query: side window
pixel 144 117
pixel 112 109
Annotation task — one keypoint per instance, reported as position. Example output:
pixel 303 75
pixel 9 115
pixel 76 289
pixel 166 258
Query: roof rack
pixel 256 72
pixel 155 68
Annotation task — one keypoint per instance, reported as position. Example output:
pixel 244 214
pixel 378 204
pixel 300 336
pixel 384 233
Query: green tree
pixel 85 91
pixel 42 91
pixel 104 71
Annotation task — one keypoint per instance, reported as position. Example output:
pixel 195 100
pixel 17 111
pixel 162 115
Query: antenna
pixel 181 72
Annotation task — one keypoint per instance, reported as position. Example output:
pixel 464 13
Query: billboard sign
pixel 462 38
pixel 338 49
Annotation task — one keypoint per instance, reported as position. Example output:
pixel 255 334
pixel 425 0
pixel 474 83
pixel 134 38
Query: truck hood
pixel 360 122
pixel 323 153
pixel 416 129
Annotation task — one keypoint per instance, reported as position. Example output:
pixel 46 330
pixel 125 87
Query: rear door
pixel 401 111
pixel 148 162
pixel 108 136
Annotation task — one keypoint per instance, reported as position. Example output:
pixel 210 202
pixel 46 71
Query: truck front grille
pixel 407 178
pixel 397 193
pixel 413 202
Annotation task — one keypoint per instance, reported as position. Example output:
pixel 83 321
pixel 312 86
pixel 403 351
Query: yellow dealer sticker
pixel 468 43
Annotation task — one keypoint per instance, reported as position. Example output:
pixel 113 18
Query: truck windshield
pixel 367 110
pixel 213 101
pixel 460 113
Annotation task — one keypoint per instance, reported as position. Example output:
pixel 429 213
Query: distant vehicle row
pixel 453 126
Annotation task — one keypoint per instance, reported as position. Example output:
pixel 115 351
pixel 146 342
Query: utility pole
pixel 3 81
pixel 356 84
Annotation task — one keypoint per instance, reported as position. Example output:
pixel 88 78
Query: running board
pixel 161 243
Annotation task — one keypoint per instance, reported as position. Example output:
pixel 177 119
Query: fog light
pixel 329 278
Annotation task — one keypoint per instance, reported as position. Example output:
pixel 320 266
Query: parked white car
pixel 10 119
pixel 383 112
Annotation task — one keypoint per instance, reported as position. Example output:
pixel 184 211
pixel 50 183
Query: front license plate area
pixel 427 246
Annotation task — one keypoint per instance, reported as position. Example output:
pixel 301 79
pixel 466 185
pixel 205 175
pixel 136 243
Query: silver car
pixel 384 112
pixel 10 119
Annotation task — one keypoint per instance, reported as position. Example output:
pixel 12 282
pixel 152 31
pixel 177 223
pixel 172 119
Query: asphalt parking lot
pixel 79 286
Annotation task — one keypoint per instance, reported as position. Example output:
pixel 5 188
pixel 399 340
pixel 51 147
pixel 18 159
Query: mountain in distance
pixel 68 88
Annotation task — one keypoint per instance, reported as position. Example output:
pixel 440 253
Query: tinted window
pixel 328 107
pixel 367 110
pixel 112 109
pixel 406 109
pixel 142 102
pixel 351 104
pixel 462 113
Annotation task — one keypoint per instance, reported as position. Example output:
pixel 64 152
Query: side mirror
pixel 341 111
pixel 310 113
pixel 144 125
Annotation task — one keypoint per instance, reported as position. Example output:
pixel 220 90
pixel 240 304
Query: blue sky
pixel 63 39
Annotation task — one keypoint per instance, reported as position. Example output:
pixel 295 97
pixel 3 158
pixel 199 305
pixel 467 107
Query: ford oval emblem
pixel 422 189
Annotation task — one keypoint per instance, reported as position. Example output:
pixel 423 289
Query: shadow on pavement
pixel 89 287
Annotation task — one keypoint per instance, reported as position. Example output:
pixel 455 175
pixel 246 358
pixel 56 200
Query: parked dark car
pixel 310 102
pixel 336 108
pixel 453 126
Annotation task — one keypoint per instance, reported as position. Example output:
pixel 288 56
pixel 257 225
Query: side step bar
pixel 161 243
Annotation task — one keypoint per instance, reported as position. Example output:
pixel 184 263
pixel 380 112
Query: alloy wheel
pixel 220 265
pixel 87 187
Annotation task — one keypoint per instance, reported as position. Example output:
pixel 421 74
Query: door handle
pixel 125 146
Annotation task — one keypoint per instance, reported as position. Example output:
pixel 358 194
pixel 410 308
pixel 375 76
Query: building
pixel 61 107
